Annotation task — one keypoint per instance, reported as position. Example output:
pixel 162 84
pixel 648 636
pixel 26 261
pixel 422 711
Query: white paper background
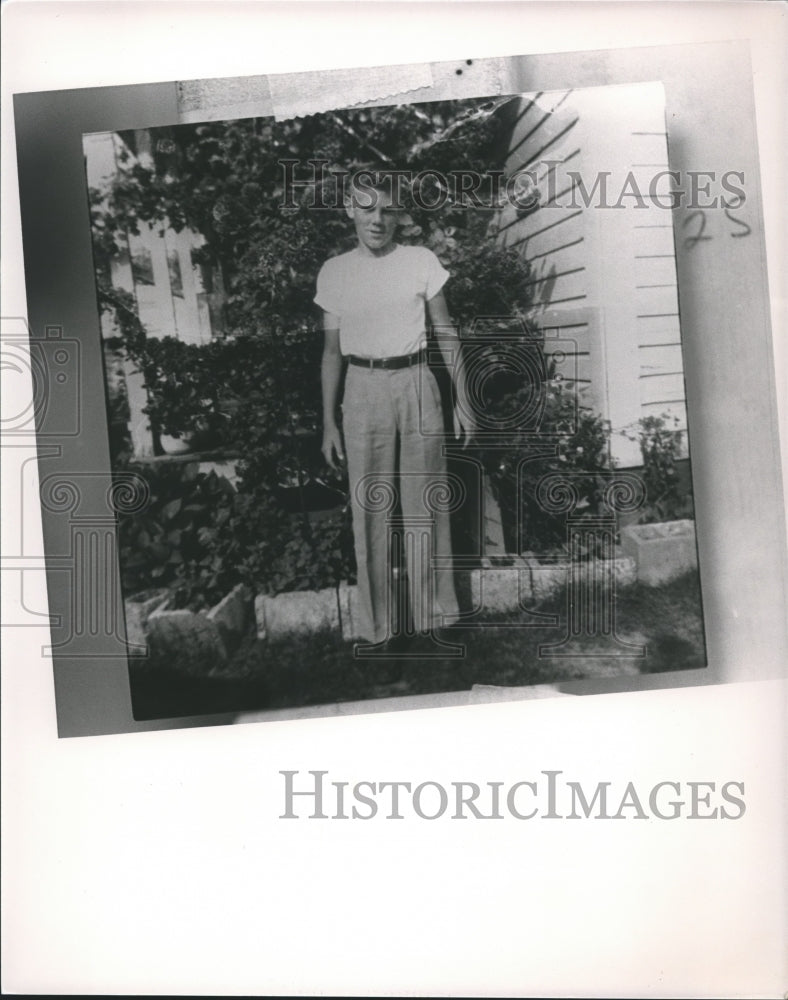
pixel 156 863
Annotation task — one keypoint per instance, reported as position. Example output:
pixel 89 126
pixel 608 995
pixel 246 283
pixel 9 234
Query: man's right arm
pixel 330 376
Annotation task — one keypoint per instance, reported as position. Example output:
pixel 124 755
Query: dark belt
pixel 403 361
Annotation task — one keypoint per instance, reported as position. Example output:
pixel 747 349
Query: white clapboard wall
pixel 168 288
pixel 603 274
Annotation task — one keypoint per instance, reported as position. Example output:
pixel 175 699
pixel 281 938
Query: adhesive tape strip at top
pixel 293 95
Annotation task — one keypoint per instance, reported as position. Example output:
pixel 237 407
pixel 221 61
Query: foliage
pixel 181 389
pixel 225 180
pixel 248 535
pixel 121 307
pixel 228 536
pixel 660 446
pixel 274 551
pixel 488 281
pixel 199 537
pixel 565 439
pixel 164 542
pixel 259 390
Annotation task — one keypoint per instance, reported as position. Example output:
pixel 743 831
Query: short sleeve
pixel 437 275
pixel 327 295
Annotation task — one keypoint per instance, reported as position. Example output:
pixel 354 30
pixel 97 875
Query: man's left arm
pixel 449 343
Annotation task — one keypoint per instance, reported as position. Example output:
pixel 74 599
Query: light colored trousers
pixel 394 433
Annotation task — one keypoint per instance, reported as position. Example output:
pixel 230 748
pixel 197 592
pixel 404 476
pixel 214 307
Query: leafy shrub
pixel 251 536
pixel 198 534
pixel 567 439
pixel 274 551
pixel 181 389
pixel 660 446
pixel 259 391
pixel 163 543
pixel 199 537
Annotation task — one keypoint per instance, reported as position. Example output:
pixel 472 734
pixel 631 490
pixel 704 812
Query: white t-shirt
pixel 380 300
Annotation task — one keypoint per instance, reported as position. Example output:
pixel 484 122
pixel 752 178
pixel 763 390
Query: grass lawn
pixel 322 669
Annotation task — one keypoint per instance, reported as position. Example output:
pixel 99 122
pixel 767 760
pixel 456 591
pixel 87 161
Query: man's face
pixel 375 215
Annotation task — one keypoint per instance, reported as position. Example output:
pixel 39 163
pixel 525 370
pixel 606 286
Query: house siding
pixel 616 265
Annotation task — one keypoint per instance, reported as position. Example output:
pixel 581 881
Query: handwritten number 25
pixel 699 218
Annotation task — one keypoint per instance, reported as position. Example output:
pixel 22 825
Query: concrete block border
pixel 502 584
pixel 662 551
pixel 139 608
pixel 649 553
pixel 296 611
pixel 305 611
pixel 189 640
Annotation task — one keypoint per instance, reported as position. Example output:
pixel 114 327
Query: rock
pixel 625 570
pixel 187 642
pixel 546 577
pixel 139 608
pixel 231 615
pixel 661 551
pixel 501 588
pixel 299 611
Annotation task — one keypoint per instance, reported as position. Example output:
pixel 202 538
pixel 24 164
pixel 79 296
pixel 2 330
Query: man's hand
pixel 464 425
pixel 333 451
pixel 330 376
pixel 449 343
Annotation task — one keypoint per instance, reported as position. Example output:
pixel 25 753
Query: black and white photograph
pixel 514 507
pixel 394 544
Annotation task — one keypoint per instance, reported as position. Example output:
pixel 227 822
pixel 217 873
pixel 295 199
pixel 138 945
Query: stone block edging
pixel 649 553
pixel 190 640
pixel 661 551
pixel 492 586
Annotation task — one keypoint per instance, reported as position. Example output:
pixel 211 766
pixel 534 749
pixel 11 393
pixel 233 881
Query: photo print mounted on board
pixel 393 402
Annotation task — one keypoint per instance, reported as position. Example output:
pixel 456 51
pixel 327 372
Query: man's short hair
pixel 362 182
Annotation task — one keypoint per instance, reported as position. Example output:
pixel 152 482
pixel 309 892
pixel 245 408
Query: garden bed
pixel 200 641
pixel 300 670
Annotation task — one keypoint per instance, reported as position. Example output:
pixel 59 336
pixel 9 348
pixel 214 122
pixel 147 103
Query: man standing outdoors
pixel 375 301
